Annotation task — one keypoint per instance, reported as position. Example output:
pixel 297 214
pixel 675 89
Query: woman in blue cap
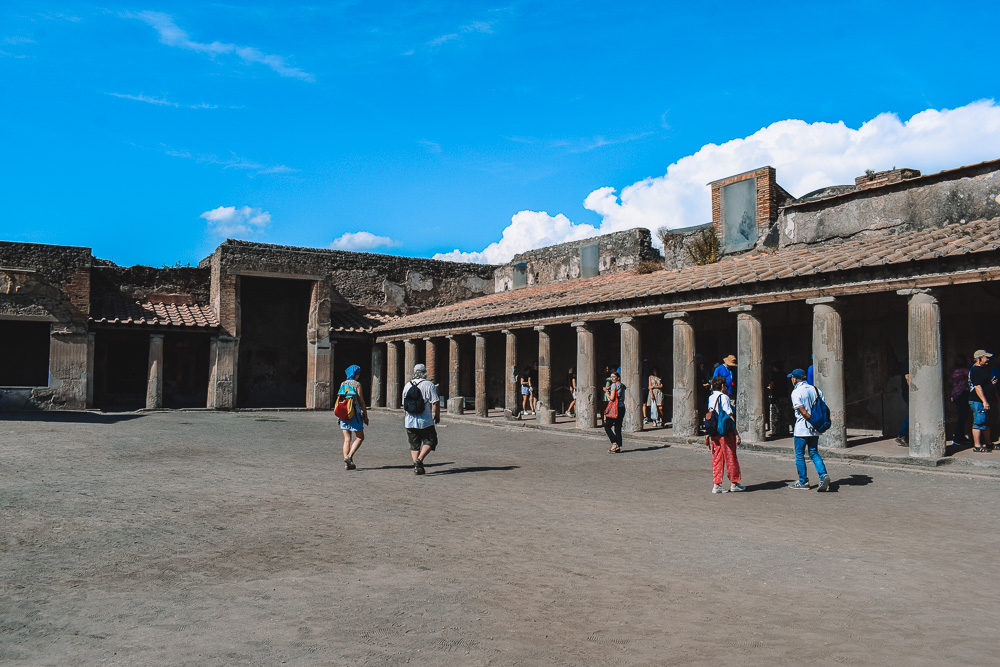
pixel 351 388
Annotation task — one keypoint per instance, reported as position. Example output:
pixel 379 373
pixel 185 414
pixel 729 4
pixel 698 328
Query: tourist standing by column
pixel 571 383
pixel 981 400
pixel 656 397
pixel 614 394
pixel 354 427
pixel 804 397
pixel 724 444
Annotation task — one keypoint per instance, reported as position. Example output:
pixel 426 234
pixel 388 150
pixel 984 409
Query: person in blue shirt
pixel 725 371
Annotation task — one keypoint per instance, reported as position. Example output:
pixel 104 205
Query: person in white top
pixel 419 423
pixel 804 397
pixel 723 444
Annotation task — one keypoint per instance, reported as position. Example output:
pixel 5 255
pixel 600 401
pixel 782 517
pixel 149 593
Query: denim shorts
pixel 980 415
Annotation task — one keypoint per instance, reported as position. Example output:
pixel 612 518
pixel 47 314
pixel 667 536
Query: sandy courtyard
pixel 201 538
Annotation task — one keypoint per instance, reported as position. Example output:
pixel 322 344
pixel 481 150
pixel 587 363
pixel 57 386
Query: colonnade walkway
pixel 861 446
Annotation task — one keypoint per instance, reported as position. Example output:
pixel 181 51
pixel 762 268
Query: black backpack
pixel 413 402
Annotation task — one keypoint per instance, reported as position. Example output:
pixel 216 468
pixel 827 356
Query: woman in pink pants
pixel 724 446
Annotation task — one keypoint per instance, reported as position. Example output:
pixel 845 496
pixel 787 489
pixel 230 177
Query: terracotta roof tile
pixel 358 321
pixel 127 312
pixel 947 241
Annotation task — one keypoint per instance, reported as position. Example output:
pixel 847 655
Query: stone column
pixel 631 356
pixel 90 370
pixel 378 375
pixel 687 412
pixel 586 390
pixel 222 392
pixel 430 357
pixel 154 376
pixel 512 386
pixel 545 413
pixel 927 432
pixel 409 360
pixel 482 410
pixel 828 367
pixel 394 378
pixel 456 402
pixel 320 382
pixel 213 357
pixel 749 375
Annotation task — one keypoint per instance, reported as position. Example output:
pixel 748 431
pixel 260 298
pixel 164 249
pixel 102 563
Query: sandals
pixel 614 450
pixel 981 449
pixel 349 464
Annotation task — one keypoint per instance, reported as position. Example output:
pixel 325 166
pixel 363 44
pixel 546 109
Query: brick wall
pixel 874 179
pixel 770 196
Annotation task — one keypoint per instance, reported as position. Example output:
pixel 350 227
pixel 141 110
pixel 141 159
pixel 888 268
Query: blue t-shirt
pixel 723 372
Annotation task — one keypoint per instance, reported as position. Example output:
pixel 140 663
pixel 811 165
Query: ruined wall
pixel 677 244
pixel 145 283
pixel 619 251
pixel 393 285
pixel 49 283
pixel 936 200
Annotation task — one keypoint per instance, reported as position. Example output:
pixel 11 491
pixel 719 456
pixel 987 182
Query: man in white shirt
pixel 804 397
pixel 419 424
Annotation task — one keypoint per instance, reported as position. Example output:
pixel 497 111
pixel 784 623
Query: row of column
pixel 926 407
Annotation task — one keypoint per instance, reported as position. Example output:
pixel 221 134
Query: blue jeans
pixel 801 444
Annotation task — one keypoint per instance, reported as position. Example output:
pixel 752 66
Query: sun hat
pixel 352 371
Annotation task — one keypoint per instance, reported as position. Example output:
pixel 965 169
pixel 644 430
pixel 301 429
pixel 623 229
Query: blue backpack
pixel 819 416
pixel 719 422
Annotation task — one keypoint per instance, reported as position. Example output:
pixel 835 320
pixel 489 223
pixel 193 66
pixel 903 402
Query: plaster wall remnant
pixel 418 283
pixel 619 251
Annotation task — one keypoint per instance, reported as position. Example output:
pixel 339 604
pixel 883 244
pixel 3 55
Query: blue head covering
pixel 352 371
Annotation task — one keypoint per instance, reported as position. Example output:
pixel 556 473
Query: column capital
pixel 624 320
pixel 742 308
pixel 585 326
pixel 478 334
pixel 676 315
pixel 823 300
pixel 449 336
pixel 156 335
pixel 427 338
pixel 540 327
pixel 507 332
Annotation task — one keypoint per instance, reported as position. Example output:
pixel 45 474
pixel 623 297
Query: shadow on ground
pixel 853 480
pixel 70 417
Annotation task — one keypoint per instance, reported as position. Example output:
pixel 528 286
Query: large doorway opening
pixel 185 370
pixel 121 367
pixel 25 357
pixel 274 316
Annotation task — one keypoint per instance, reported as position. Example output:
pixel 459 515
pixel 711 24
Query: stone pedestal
pixel 394 376
pixel 631 356
pixel 378 375
pixel 512 385
pixel 749 376
pixel 154 376
pixel 586 390
pixel 686 411
pixel 544 412
pixel 828 367
pixel 482 410
pixel 456 405
pixel 927 430
pixel 320 383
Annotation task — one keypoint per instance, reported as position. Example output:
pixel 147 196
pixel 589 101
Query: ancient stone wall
pixel 619 251
pixel 145 283
pixel 958 195
pixel 393 285
pixel 44 282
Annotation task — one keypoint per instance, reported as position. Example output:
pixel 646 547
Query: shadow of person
pixel 853 480
pixel 644 449
pixel 410 467
pixel 769 486
pixel 457 471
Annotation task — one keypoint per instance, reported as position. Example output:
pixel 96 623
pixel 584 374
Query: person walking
pixel 353 428
pixel 525 379
pixel 960 399
pixel 571 383
pixel 423 411
pixel 981 399
pixel 656 398
pixel 723 445
pixel 804 397
pixel 614 394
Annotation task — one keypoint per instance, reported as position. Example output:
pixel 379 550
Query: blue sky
pixel 150 131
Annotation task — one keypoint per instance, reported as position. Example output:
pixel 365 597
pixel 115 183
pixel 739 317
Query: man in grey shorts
pixel 419 425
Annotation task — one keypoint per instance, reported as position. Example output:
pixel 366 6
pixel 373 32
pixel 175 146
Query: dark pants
pixel 613 427
pixel 961 416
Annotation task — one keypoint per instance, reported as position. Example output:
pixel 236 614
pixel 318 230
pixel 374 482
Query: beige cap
pixel 980 353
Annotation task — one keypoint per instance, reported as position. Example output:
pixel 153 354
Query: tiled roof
pixel 131 313
pixel 357 321
pixel 889 249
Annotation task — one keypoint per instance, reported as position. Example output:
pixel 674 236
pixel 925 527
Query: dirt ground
pixel 201 538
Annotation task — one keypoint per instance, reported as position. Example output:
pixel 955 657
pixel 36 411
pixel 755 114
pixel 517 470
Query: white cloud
pixel 431 146
pixel 527 230
pixel 161 101
pixel 232 222
pixel 807 156
pixel 172 35
pixel 362 241
pixel 234 161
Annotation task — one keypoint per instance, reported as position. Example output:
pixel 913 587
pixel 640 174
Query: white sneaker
pixel 718 489
pixel 737 487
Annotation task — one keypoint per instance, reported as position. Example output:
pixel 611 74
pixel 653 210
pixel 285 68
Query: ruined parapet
pixel 618 251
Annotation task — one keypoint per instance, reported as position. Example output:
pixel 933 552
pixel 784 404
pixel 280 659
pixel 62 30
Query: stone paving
pixel 212 538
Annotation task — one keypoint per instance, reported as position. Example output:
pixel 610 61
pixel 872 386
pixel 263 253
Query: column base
pixel 545 416
pixel 456 405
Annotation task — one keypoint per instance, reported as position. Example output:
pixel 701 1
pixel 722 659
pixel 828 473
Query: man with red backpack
pixel 423 410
